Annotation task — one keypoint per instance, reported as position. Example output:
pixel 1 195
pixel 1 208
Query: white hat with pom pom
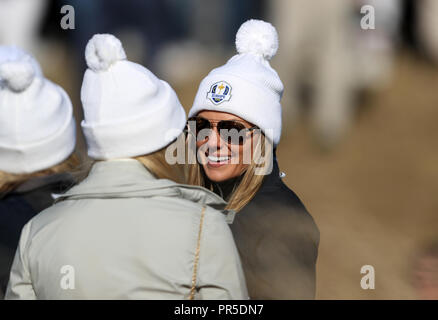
pixel 128 111
pixel 246 85
pixel 37 127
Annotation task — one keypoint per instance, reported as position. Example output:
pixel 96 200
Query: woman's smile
pixel 218 161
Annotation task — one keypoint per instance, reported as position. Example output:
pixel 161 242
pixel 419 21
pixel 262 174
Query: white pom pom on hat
pixel 13 53
pixel 102 51
pixel 257 37
pixel 17 75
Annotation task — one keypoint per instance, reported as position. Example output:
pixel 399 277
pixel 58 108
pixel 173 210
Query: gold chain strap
pixel 198 248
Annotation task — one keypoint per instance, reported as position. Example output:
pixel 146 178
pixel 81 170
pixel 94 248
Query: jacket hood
pixel 128 178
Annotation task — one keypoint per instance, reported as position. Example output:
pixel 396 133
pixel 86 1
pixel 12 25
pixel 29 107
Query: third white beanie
pixel 128 111
pixel 37 127
pixel 247 86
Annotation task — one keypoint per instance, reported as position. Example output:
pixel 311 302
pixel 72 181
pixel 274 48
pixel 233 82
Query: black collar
pixel 226 188
pixel 274 176
pixel 59 182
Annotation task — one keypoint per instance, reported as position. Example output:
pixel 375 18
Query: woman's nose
pixel 214 139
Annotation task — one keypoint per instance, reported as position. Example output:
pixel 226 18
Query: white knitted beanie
pixel 37 127
pixel 246 85
pixel 128 111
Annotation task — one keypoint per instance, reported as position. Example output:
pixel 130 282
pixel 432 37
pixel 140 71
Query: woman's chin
pixel 216 174
pixel 220 173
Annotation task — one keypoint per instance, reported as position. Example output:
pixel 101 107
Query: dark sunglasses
pixel 224 128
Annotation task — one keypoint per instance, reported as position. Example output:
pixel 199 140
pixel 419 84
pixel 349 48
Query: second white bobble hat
pixel 37 127
pixel 128 111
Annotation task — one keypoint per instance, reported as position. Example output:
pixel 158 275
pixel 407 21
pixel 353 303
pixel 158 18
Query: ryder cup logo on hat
pixel 219 92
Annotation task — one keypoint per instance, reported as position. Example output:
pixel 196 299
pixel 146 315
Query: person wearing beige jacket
pixel 131 229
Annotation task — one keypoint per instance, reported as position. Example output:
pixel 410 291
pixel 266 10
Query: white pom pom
pixel 17 75
pixel 257 37
pixel 102 51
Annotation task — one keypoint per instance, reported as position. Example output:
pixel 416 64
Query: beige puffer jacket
pixel 123 234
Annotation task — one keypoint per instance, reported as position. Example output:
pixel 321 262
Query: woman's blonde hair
pixel 157 164
pixel 10 181
pixel 252 178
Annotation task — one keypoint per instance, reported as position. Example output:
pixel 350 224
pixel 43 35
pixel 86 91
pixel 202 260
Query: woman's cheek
pixel 244 156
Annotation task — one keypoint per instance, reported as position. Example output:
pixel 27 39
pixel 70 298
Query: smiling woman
pixel 236 121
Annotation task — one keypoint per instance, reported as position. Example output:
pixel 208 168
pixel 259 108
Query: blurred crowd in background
pixel 359 110
pixel 178 39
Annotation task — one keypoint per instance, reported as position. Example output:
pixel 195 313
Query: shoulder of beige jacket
pixel 128 178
